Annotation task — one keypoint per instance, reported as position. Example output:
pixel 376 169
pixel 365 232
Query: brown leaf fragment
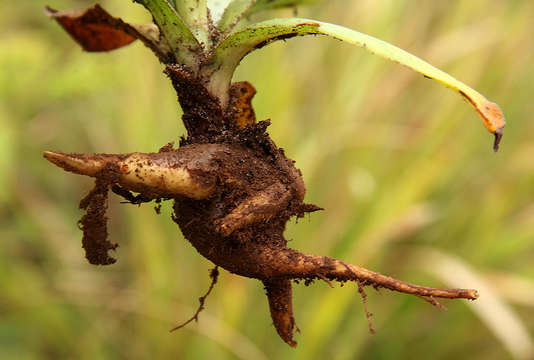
pixel 96 30
pixel 240 107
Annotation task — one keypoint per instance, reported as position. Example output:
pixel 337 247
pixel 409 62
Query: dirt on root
pixel 240 226
pixel 198 218
pixel 247 156
pixel 258 168
pixel 94 223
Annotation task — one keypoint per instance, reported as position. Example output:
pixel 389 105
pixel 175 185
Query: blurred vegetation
pixel 403 167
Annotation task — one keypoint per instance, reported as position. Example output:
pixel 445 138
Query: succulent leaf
pixel 236 46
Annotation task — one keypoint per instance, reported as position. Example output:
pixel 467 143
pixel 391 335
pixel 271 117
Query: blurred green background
pixel 402 165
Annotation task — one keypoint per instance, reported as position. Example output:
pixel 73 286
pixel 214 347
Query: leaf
pixel 261 5
pixel 96 30
pixel 233 13
pixel 194 14
pixel 240 106
pixel 216 8
pixel 237 9
pixel 231 51
pixel 182 42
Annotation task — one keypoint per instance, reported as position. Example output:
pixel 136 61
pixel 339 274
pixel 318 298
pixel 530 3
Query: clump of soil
pixel 94 226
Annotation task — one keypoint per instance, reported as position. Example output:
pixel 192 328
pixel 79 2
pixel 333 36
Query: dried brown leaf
pixel 96 30
pixel 241 94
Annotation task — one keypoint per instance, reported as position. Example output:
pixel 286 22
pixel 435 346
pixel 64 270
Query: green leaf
pixel 231 50
pixel 261 5
pixel 237 9
pixel 182 42
pixel 194 13
pixel 217 8
pixel 233 14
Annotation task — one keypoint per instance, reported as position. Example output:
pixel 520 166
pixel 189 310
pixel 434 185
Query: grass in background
pixel 403 167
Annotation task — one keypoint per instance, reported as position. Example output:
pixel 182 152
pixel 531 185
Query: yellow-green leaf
pixel 236 46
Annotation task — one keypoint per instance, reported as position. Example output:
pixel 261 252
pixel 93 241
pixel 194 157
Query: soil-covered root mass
pixel 232 202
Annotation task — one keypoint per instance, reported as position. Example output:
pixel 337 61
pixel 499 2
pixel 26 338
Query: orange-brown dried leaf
pixel 241 94
pixel 94 29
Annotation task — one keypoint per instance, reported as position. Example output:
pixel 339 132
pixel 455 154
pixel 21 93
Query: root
pixel 184 172
pixel 257 208
pixel 214 275
pixel 368 315
pixel 232 202
pixel 288 263
pixel 325 279
pixel 431 300
pixel 296 265
pixel 280 304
